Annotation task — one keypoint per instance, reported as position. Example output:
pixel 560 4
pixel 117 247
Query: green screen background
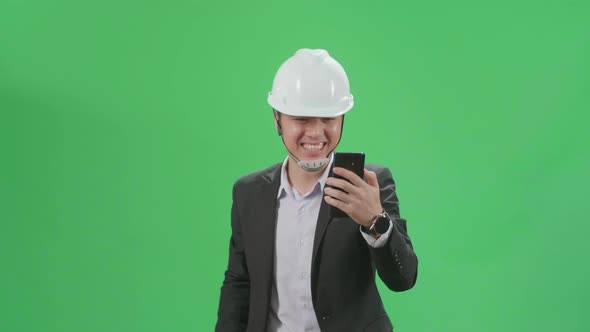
pixel 123 125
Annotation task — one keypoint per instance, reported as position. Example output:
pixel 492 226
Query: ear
pixel 277 124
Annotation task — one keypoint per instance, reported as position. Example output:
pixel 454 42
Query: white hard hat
pixel 311 83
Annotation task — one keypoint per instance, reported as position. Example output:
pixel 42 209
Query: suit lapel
pixel 266 219
pixel 321 225
pixel 262 217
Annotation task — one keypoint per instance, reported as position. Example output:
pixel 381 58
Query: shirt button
pixel 302 275
pixel 301 243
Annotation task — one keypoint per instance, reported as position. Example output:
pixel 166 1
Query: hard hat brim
pixel 342 107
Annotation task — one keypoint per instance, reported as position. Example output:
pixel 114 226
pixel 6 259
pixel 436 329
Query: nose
pixel 315 127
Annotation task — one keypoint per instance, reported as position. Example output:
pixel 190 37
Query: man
pixel 291 266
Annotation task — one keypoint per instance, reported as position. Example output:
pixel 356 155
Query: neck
pixel 300 179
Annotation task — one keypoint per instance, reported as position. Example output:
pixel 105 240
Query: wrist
pixel 372 219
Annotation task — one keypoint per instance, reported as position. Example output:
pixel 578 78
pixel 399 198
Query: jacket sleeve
pixel 232 315
pixel 396 262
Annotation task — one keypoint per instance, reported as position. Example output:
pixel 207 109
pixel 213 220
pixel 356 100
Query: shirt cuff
pixel 379 242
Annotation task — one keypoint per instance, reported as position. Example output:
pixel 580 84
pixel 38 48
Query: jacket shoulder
pixel 376 168
pixel 262 176
pixel 380 170
pixel 384 176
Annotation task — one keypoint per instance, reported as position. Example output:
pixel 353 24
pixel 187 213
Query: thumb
pixel 371 178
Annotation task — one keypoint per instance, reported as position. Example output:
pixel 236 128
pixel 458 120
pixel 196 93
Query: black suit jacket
pixel 344 293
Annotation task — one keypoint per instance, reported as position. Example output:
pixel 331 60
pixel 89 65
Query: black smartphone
pixel 352 161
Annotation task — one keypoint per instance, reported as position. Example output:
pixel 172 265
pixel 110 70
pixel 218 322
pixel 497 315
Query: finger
pixel 342 184
pixel 371 178
pixel 338 194
pixel 336 203
pixel 350 176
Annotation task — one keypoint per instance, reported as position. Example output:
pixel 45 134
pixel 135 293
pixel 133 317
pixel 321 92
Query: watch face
pixel 381 225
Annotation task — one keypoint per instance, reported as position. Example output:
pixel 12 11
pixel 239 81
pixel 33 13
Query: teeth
pixel 313 147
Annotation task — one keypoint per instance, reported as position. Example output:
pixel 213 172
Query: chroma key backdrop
pixel 124 124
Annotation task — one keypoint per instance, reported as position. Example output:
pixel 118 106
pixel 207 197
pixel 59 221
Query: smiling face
pixel 310 138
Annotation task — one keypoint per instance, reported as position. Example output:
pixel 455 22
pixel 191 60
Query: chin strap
pixel 309 165
pixel 312 165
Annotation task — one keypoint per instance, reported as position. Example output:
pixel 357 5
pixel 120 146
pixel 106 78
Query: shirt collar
pixel 286 186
